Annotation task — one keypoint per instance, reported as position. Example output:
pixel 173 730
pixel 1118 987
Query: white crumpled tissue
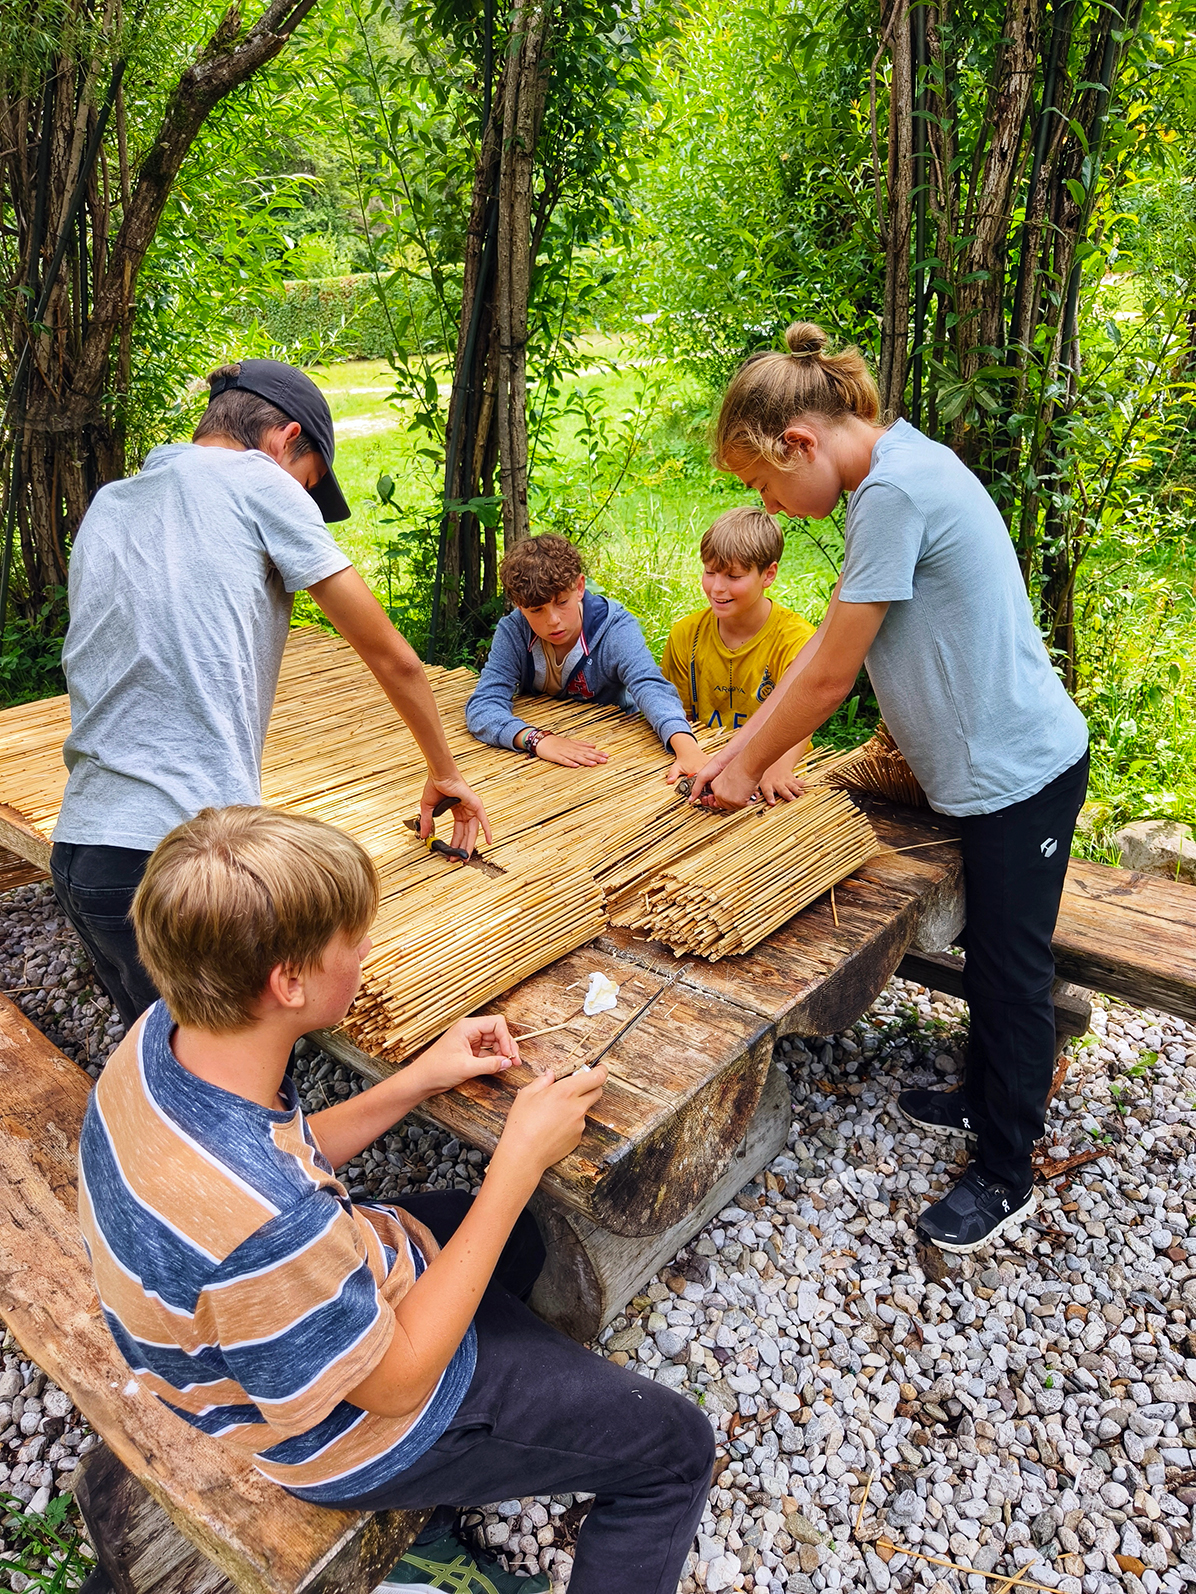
pixel 603 994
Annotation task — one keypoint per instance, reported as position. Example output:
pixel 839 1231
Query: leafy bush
pixel 31 655
pixel 348 318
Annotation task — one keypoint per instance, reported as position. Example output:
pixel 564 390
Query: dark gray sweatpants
pixel 545 1415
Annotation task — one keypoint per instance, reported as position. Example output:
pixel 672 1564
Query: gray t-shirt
pixel 181 585
pixel 958 666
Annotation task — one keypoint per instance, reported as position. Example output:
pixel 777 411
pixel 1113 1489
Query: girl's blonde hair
pixel 770 390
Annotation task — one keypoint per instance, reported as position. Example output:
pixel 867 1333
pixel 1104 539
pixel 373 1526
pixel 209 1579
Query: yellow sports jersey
pixel 725 686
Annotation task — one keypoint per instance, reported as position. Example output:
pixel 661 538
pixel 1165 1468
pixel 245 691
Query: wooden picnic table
pixel 694 1106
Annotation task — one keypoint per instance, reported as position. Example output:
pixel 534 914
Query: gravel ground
pixel 1030 1409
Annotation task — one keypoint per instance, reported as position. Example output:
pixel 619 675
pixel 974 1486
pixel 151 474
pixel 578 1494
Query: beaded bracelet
pixel 532 740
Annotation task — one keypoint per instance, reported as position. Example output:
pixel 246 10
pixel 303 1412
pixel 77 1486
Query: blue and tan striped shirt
pixel 240 1283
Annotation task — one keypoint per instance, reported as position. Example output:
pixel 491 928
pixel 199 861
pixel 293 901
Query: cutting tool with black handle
pixel 458 854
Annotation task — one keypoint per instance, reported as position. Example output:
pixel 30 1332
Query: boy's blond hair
pixel 235 891
pixel 745 537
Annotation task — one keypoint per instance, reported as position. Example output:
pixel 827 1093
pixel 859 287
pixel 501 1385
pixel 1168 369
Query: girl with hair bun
pixel 932 601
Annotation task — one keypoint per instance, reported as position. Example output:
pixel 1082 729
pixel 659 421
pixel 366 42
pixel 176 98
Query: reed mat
pixel 879 769
pixel 577 848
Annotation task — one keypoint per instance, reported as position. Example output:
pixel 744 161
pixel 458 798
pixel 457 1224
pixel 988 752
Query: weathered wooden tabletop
pixel 685 1082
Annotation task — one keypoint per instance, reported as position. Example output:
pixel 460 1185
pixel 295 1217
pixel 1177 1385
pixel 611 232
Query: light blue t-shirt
pixel 181 585
pixel 958 666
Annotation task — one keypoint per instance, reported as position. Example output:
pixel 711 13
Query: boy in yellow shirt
pixel 725 660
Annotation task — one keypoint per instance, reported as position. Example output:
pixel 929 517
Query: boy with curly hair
pixel 567 642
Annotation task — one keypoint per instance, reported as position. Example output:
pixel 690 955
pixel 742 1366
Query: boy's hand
pixel 725 785
pixel 472 1047
pixel 469 814
pixel 779 784
pixel 709 772
pixel 688 757
pixel 548 1118
pixel 570 752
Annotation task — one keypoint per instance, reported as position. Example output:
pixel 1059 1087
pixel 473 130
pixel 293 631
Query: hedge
pixel 340 318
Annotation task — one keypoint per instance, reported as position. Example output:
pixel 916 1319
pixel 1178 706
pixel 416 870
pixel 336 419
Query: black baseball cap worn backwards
pixel 294 392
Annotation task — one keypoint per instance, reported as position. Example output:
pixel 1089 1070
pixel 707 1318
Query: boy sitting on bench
pixel 566 642
pixel 362 1364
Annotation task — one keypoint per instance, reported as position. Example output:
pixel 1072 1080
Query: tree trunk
pixel 1023 192
pixel 487 418
pixel 523 113
pixel 894 332
pixel 63 431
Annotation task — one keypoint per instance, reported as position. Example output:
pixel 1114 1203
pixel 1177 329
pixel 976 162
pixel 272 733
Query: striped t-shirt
pixel 240 1283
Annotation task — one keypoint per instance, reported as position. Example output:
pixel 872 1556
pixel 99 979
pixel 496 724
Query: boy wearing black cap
pixel 181 584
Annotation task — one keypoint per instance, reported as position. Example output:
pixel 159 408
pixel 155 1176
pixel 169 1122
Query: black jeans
pixel 544 1415
pixel 95 887
pixel 1014 865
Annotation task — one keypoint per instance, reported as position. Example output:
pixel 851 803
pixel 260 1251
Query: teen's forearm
pixel 814 685
pixel 810 699
pixel 341 1131
pixel 432 1318
pixel 746 734
pixel 362 621
pixel 401 676
pixel 784 764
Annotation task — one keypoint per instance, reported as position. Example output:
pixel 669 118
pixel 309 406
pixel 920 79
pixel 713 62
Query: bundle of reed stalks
pixel 879 768
pixel 729 892
pixel 461 945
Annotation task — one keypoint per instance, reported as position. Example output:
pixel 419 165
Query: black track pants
pixel 95 888
pixel 544 1415
pixel 1014 864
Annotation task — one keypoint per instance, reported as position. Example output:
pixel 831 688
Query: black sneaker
pixel 449 1564
pixel 943 1112
pixel 974 1212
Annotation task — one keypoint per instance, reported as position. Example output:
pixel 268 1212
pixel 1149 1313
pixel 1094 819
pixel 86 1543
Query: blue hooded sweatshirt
pixel 609 663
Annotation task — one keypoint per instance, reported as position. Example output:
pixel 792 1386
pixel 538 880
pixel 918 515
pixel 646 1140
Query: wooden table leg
pixel 591 1273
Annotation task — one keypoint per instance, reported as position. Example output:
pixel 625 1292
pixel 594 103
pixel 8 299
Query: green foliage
pixel 756 207
pixel 336 318
pixel 217 256
pixel 31 654
pixel 48 1549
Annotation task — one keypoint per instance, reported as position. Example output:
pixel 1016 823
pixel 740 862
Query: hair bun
pixel 805 340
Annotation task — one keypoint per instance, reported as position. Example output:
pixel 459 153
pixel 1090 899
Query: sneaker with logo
pixel 448 1564
pixel 975 1211
pixel 943 1112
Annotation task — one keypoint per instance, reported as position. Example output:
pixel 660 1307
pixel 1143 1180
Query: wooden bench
pixel 170 1511
pixel 1119 932
pixel 943 971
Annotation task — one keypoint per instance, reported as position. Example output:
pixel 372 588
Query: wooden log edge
pixel 661 1179
pixel 19 836
pixel 591 1273
pixel 141 1551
